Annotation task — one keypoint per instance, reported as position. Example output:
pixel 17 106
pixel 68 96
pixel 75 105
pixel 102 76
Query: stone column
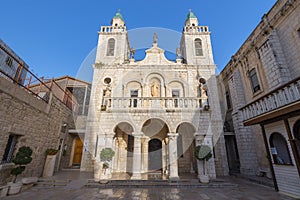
pixel 137 156
pixel 115 159
pixel 173 175
pixel 165 157
pixel 145 154
pixel 109 139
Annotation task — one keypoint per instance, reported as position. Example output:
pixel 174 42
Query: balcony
pixel 276 103
pixel 196 29
pixel 112 29
pixel 152 103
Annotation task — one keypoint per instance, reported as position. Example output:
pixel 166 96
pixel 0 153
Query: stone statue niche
pixel 106 93
pixel 203 88
pixel 155 88
pixel 203 93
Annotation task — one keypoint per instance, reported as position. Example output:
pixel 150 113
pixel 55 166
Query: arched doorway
pixel 155 151
pixel 186 148
pixel 123 142
pixel 296 131
pixel 155 155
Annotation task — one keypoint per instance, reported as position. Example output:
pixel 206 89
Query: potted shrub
pixel 106 156
pixel 22 158
pixel 203 154
pixel 51 152
pixel 50 162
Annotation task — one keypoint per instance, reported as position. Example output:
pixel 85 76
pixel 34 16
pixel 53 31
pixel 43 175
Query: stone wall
pixel 36 123
pixel 244 135
pixel 272 49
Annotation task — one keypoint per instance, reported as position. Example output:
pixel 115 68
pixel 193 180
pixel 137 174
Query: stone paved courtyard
pixel 245 191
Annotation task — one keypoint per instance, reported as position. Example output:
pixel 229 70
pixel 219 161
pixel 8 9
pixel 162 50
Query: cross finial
pixel 119 10
pixel 190 10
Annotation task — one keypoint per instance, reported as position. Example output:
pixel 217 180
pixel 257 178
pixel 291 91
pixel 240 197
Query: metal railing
pixel 39 87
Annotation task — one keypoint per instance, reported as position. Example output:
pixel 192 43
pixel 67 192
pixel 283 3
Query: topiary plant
pixel 51 152
pixel 203 152
pixel 23 157
pixel 105 165
pixel 106 156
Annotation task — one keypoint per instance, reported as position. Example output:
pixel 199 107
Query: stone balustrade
pixel 285 95
pixel 111 29
pixel 195 29
pixel 154 103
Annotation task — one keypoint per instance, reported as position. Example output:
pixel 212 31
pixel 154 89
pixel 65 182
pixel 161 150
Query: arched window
pixel 296 131
pixel 110 47
pixel 198 47
pixel 279 150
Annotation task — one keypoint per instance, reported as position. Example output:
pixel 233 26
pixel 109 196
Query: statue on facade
pixel 132 52
pixel 106 101
pixel 155 89
pixel 107 92
pixel 203 91
pixel 178 53
pixel 204 95
pixel 155 39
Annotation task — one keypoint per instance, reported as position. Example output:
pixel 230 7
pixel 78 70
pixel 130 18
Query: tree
pixel 203 152
pixel 106 156
pixel 23 157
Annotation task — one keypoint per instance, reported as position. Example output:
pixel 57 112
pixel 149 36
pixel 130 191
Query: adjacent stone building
pixel 40 116
pixel 260 89
pixel 154 112
pixel 75 94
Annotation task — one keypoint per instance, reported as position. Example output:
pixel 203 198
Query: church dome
pixel 118 16
pixel 190 15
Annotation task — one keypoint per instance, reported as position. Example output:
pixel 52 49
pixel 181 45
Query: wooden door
pixel 77 151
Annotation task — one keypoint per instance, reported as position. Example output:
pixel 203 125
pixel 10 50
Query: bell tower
pixel 195 44
pixel 113 44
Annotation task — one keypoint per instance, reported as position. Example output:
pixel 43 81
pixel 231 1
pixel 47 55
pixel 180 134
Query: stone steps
pixel 182 183
pixel 157 183
pixel 42 182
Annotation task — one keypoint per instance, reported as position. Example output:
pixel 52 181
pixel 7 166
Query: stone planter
pixel 49 166
pixel 202 170
pixel 3 190
pixel 203 178
pixel 103 181
pixel 14 188
pixel 29 180
pixel 97 170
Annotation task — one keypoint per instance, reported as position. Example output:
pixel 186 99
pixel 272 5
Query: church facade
pixel 154 112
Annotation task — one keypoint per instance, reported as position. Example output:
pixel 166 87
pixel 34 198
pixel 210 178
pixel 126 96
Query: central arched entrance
pixel 155 155
pixel 155 151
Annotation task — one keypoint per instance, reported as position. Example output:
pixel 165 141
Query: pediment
pixel 155 56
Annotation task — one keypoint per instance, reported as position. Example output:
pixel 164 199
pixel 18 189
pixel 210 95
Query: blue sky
pixel 54 37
